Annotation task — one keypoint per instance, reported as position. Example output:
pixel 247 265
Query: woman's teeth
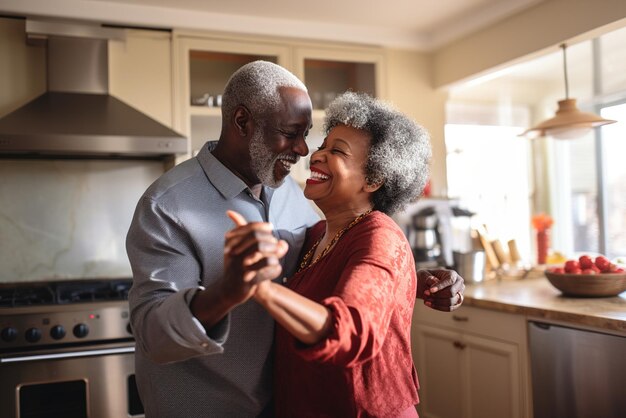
pixel 318 176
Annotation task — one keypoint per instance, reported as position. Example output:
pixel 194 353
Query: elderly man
pixel 204 348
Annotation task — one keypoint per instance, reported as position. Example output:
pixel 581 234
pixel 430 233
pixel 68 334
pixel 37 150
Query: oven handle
pixel 75 354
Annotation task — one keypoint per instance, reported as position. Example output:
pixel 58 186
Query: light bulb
pixel 569 133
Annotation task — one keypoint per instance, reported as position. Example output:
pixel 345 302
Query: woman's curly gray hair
pixel 399 153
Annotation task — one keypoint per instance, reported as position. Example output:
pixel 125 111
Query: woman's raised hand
pixel 251 255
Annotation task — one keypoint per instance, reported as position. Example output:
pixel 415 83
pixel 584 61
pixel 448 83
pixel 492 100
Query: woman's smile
pixel 317 176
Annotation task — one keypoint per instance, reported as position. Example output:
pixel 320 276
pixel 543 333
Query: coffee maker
pixel 426 240
pixel 427 224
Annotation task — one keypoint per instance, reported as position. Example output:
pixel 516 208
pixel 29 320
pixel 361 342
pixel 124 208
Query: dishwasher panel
pixel 576 373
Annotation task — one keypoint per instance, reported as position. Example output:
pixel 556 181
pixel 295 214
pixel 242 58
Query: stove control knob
pixel 81 330
pixel 57 332
pixel 8 334
pixel 32 335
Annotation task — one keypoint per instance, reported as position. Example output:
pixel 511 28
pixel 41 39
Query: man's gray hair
pixel 399 153
pixel 255 85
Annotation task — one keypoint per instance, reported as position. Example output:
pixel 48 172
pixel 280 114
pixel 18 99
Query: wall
pixel 524 35
pixel 22 67
pixel 140 72
pixel 67 219
pixel 409 89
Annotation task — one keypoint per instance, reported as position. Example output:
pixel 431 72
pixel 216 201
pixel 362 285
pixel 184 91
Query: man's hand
pixel 251 254
pixel 441 289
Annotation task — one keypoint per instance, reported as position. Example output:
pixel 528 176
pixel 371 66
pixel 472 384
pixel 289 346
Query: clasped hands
pixel 251 257
pixel 251 260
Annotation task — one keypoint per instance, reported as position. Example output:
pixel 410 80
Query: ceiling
pixel 413 24
pixel 542 78
pixel 530 81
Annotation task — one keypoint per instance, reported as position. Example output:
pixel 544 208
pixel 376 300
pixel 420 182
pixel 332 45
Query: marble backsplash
pixel 67 219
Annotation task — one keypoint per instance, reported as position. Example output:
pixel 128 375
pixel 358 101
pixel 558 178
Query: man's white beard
pixel 263 161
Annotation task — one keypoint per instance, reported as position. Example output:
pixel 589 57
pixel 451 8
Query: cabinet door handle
pixel 460 318
pixel 459 345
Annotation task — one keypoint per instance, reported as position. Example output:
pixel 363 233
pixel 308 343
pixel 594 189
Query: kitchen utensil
pixel 514 252
pixel 589 285
pixel 503 257
pixel 492 259
pixel 470 265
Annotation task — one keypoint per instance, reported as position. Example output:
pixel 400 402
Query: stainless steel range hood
pixel 77 117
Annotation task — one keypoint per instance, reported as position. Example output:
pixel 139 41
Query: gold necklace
pixel 307 257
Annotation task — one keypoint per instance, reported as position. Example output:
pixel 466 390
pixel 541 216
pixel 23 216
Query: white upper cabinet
pixel 202 69
pixel 329 71
pixel 203 64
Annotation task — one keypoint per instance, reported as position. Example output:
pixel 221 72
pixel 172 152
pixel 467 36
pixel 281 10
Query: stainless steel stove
pixel 66 350
pixel 62 313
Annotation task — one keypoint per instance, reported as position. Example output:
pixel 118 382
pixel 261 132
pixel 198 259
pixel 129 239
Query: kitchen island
pixel 537 298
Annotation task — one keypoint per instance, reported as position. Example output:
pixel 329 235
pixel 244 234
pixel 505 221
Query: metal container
pixel 470 265
pixel 425 219
pixel 425 239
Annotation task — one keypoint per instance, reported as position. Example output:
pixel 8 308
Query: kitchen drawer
pixel 504 326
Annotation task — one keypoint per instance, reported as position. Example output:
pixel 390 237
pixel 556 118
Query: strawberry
pixel 603 263
pixel 594 268
pixel 618 270
pixel 585 262
pixel 571 265
pixel 574 271
pixel 588 271
pixel 557 270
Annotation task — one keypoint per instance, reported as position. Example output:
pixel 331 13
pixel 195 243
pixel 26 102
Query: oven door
pixel 93 382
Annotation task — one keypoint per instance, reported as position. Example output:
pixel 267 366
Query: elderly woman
pixel 343 343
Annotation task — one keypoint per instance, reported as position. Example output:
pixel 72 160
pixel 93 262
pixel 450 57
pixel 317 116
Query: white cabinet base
pixel 467 368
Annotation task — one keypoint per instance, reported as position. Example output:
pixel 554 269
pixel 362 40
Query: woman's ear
pixel 242 121
pixel 372 187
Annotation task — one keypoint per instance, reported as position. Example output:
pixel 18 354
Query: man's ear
pixel 243 121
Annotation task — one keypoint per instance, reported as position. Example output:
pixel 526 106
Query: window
pixel 488 172
pixel 589 192
pixel 614 179
pixel 574 195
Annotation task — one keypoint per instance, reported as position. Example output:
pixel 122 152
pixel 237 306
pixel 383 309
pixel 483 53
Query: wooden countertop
pixel 536 297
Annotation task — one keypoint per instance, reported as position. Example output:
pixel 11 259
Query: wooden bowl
pixel 588 285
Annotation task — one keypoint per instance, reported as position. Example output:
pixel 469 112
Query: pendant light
pixel 569 122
